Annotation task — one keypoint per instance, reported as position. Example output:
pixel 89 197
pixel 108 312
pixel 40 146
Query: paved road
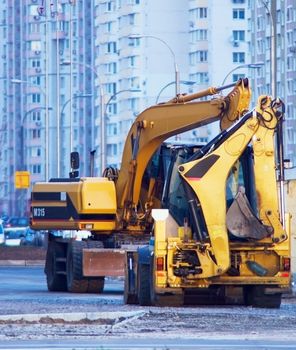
pixel 106 323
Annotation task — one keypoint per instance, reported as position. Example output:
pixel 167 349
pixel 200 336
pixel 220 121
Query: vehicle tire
pixel 130 280
pixel 166 299
pixel 255 296
pixel 55 268
pixel 95 284
pixel 75 281
pixel 144 284
pixel 129 299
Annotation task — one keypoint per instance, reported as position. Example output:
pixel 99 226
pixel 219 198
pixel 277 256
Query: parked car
pixel 17 222
pixel 2 237
pixel 34 238
pixel 14 235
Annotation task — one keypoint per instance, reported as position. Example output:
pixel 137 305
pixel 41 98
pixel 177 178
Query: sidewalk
pixel 22 262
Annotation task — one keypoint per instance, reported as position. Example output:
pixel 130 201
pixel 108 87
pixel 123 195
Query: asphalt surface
pixel 33 318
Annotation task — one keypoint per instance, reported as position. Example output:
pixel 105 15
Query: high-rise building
pixel 45 104
pixel 273 41
pixel 149 45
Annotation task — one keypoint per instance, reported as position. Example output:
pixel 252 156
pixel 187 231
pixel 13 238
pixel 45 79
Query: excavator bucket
pixel 242 222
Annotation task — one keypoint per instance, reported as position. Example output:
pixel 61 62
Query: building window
pixel 202 12
pixel 36 152
pixel 238 13
pixel 290 14
pixel 112 108
pixel 111 47
pixel 131 19
pixel 111 68
pixel 111 88
pixel 198 57
pixel 112 150
pixel 238 1
pixel 132 61
pixel 238 57
pixel 36 169
pixel 198 13
pixel 36 116
pixel 134 42
pixel 36 133
pixel 134 83
pixel 199 35
pixel 36 98
pixel 112 129
pixel 109 6
pixel 35 63
pixel 238 35
pixel 199 77
pixel 236 77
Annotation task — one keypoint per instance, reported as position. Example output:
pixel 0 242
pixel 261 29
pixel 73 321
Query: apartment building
pixel 45 103
pixel 273 42
pixel 139 47
pixel 142 45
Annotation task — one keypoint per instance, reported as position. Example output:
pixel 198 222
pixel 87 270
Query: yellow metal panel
pixel 98 196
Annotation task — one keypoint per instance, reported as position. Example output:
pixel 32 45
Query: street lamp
pixel 250 65
pixel 273 67
pixel 71 124
pixel 103 155
pixel 102 109
pixel 24 158
pixel 177 74
pixel 19 81
pixel 185 82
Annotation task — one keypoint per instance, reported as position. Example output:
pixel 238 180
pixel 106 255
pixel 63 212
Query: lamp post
pixel 19 81
pixel 24 157
pixel 71 124
pixel 106 116
pixel 273 67
pixel 250 66
pixel 185 82
pixel 102 108
pixel 177 74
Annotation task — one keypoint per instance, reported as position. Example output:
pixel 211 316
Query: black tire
pixel 130 280
pixel 95 284
pixel 166 299
pixel 75 281
pixel 130 299
pixel 255 296
pixel 144 295
pixel 55 269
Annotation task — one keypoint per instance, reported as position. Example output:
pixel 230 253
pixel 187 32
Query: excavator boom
pixel 158 123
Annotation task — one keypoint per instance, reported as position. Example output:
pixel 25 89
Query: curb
pixel 71 317
pixel 22 262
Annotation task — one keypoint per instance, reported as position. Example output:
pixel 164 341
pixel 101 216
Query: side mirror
pixel 74 160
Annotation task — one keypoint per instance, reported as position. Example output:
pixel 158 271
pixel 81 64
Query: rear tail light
pixel 159 263
pixel 286 264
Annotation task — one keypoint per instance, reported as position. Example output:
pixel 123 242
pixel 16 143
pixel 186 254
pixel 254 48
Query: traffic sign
pixel 22 179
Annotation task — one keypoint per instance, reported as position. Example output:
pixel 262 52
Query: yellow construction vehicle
pixel 186 201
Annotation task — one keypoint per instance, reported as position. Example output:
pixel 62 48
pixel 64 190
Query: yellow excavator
pixel 208 219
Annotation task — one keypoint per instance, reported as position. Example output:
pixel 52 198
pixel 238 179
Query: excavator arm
pixel 205 177
pixel 158 123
